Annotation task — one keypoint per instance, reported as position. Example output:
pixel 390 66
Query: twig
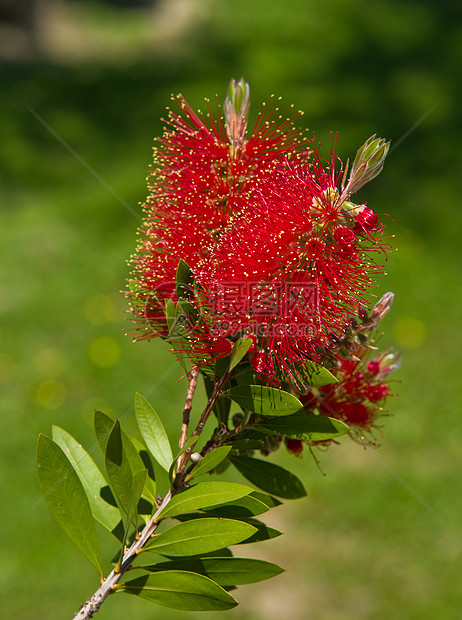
pixel 192 376
pixel 107 587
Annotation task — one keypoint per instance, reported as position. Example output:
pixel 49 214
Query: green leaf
pixel 224 571
pixel 304 426
pixel 264 532
pixel 184 281
pixel 171 315
pixel 181 590
pixel 247 506
pixel 203 495
pixel 150 487
pixel 136 490
pixel 200 536
pixel 210 461
pixel 153 432
pixel 91 478
pixel 264 400
pixel 239 351
pixel 66 498
pixel 269 477
pixel 269 500
pixel 118 468
pixel 103 427
pixel 317 375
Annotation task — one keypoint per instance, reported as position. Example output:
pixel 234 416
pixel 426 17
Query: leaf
pixel 118 468
pixel 103 427
pixel 247 506
pixel 317 375
pixel 203 495
pixel 239 351
pixel 184 281
pixel 200 536
pixel 304 426
pixel 171 315
pixel 269 500
pixel 66 498
pixel 181 590
pixel 264 400
pixel 153 432
pixel 150 488
pixel 224 571
pixel 210 461
pixel 269 477
pixel 264 532
pixel 91 478
pixel 136 490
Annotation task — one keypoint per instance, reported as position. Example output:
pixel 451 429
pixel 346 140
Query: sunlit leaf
pixel 184 281
pixel 247 506
pixel 304 426
pixel 264 532
pixel 264 400
pixel 91 478
pixel 210 461
pixel 118 468
pixel 181 590
pixel 224 571
pixel 269 477
pixel 66 498
pixel 239 351
pixel 201 536
pixel 203 495
pixel 317 375
pixel 153 432
pixel 150 487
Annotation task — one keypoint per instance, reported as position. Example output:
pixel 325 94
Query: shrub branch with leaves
pixel 257 267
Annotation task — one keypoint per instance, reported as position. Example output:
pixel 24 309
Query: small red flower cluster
pixel 278 250
pixel 359 394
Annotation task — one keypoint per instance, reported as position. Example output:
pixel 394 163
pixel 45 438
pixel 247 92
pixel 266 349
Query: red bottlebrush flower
pixel 354 399
pixel 203 170
pixel 289 268
pixel 268 231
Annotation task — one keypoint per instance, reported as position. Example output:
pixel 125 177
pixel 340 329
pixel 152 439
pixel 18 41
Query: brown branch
pixel 107 587
pixel 192 376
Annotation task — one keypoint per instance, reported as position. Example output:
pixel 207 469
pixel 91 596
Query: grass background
pixel 361 545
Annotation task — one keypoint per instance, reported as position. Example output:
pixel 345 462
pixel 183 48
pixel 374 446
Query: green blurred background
pixel 100 73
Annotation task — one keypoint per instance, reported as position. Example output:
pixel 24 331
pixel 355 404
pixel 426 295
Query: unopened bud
pixel 195 457
pixel 382 307
pixel 237 112
pixel 368 164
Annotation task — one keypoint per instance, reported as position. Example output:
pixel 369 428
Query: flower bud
pixel 237 112
pixel 368 164
pixel 195 457
pixel 382 307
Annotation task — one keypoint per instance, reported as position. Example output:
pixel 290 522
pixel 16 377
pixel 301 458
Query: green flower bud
pixel 368 164
pixel 237 112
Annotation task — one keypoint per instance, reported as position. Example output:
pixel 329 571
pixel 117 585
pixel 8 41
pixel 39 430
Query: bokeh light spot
pixel 104 351
pixel 50 394
pixel 50 362
pixel 410 332
pixel 100 309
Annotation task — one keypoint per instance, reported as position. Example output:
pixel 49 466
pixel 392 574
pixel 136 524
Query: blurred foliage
pixel 362 545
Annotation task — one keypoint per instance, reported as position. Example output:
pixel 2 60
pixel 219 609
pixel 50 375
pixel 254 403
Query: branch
pixel 94 602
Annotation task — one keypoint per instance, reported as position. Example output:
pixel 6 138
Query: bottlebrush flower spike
pixel 290 269
pixel 204 168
